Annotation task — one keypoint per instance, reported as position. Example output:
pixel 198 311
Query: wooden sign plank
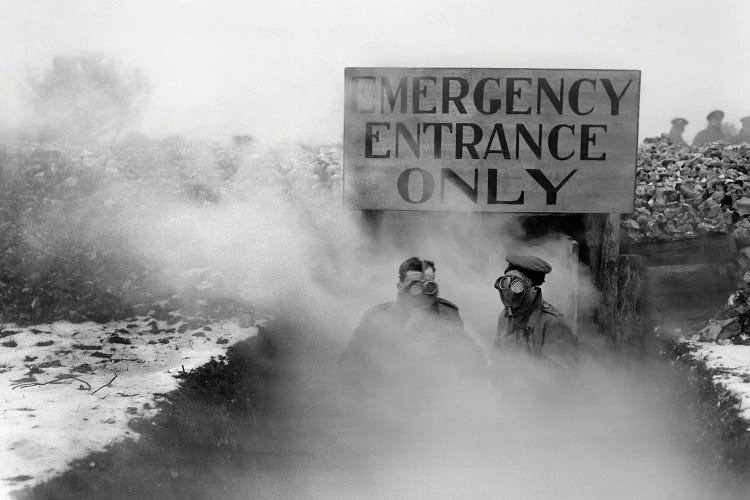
pixel 492 140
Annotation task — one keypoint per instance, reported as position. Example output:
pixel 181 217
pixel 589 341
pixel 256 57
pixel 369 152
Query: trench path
pixel 264 425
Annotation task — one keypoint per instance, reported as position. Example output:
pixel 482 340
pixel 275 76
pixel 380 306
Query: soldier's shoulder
pixel 554 319
pixel 550 309
pixel 380 308
pixel 447 303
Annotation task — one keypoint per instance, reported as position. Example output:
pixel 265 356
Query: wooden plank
pixel 698 278
pixel 686 306
pixel 705 249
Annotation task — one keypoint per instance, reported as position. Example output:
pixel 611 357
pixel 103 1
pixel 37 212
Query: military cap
pixel 745 119
pixel 715 113
pixel 533 267
pixel 677 121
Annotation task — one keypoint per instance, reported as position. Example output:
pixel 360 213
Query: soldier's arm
pixel 560 344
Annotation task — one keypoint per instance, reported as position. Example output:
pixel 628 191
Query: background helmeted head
pixel 679 124
pixel 715 117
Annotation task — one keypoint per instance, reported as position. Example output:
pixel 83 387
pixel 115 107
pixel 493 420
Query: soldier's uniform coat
pixel 742 137
pixel 708 135
pixel 543 334
pixel 383 354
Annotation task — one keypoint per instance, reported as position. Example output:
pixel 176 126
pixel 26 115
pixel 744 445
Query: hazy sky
pixel 276 69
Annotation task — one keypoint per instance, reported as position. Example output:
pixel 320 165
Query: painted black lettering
pixel 492 191
pixel 371 134
pixel 463 91
pixel 462 185
pixel 428 185
pixel 551 190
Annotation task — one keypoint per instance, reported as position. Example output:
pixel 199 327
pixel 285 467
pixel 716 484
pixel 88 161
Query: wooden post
pixel 571 271
pixel 607 276
pixel 630 313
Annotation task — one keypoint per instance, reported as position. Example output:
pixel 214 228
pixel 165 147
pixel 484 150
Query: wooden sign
pixel 490 140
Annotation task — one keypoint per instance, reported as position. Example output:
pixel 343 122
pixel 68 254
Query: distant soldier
pixel 529 326
pixel 411 345
pixel 675 133
pixel 744 134
pixel 713 131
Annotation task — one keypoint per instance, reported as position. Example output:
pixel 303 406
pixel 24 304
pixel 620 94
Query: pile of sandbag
pixel 732 323
pixel 688 192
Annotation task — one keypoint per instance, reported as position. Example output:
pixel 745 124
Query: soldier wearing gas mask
pixel 411 344
pixel 529 325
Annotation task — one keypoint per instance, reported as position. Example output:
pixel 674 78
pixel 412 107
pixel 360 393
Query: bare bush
pixel 82 98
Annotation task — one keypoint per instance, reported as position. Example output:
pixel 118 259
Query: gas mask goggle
pixel 422 287
pixel 513 287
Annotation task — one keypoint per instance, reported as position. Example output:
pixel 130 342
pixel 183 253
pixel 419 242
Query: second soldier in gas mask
pixel 530 326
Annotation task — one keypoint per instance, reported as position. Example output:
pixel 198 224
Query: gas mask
pixel 514 288
pixel 419 292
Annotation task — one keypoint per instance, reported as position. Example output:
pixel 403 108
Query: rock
pixel 730 329
pixel 721 329
pixel 687 189
pixel 159 313
pixel 75 317
pixel 85 347
pixel 50 364
pixel 742 206
pixel 196 323
pixel 82 368
pixel 141 309
pixel 174 302
pixel 741 232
